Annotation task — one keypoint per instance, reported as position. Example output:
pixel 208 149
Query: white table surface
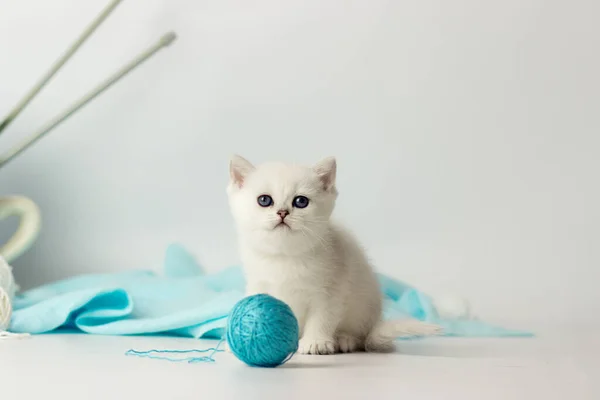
pixel 553 366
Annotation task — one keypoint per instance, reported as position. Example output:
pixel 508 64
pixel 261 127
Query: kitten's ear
pixel 239 168
pixel 326 170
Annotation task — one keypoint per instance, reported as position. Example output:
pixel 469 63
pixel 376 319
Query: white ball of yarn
pixel 7 281
pixel 5 310
pixel 7 291
pixel 453 307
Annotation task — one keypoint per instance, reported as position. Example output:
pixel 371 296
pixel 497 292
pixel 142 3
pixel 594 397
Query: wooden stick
pixel 58 64
pixel 164 41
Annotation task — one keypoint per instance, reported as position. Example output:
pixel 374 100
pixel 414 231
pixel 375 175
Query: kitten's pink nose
pixel 283 214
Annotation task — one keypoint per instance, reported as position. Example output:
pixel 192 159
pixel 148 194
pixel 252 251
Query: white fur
pixel 312 264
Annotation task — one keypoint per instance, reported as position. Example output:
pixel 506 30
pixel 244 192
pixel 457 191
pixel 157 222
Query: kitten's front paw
pixel 310 345
pixel 348 344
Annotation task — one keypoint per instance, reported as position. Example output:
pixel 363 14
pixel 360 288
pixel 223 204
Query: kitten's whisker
pixel 316 219
pixel 304 234
pixel 321 240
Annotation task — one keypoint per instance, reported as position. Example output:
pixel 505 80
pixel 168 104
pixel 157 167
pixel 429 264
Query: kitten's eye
pixel 265 200
pixel 300 202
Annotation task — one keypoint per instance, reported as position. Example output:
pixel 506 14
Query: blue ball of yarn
pixel 262 331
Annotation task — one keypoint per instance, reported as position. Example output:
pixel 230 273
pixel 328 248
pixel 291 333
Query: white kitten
pixel 291 250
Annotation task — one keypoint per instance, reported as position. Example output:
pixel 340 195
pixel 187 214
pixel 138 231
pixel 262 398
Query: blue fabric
pixel 184 301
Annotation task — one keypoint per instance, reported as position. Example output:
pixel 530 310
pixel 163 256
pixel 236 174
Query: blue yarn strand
pixel 191 360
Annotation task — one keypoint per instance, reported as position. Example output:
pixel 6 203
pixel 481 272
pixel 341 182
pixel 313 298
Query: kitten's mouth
pixel 282 225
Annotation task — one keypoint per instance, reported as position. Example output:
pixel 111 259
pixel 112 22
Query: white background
pixel 466 134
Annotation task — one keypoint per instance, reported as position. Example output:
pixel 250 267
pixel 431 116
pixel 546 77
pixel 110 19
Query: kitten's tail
pixel 381 338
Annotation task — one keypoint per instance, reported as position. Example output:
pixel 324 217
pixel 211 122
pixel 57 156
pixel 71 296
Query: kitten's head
pixel 282 208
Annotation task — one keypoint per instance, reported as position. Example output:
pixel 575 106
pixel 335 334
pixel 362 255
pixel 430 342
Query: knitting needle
pixel 164 41
pixel 58 64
